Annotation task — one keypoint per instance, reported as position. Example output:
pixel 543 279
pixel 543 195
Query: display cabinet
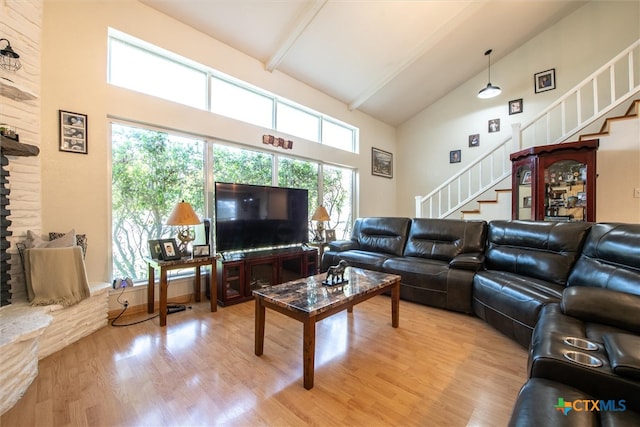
pixel 555 182
pixel 240 274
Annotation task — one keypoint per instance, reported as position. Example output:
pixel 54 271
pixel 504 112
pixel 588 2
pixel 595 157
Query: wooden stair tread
pixel 631 113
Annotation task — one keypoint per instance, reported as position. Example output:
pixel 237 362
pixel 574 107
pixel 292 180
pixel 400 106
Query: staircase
pixel 610 86
pixel 499 207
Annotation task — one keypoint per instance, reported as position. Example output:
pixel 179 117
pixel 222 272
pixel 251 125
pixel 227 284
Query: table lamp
pixel 183 216
pixel 320 216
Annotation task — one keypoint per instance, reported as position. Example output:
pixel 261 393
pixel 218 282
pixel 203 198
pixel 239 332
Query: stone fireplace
pixel 9 148
pixel 20 172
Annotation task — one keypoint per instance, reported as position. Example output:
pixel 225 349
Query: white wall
pixel 618 166
pixel 576 46
pixel 76 188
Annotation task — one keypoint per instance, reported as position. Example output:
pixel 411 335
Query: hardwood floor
pixel 438 368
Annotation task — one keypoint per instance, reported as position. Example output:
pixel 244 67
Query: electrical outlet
pixel 636 193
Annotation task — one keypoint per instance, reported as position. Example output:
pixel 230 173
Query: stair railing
pixel 581 106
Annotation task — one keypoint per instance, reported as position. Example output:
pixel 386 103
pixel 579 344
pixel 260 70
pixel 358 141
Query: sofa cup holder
pixel 583 358
pixel 580 343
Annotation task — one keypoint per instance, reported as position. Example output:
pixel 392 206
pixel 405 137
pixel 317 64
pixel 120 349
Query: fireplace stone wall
pixel 22 26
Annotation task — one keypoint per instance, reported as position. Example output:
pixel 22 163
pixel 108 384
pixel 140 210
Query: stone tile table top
pixel 310 296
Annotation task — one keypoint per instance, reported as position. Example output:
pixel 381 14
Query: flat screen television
pixel 256 216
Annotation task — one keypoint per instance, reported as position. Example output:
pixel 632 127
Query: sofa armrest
pixel 343 245
pixel 471 261
pixel 600 305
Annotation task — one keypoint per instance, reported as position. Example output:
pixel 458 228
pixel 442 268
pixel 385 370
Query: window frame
pixel 209 173
pixel 211 73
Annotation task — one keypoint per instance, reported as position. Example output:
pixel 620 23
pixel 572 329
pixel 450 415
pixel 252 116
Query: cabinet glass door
pixel 232 281
pixel 261 273
pixel 523 194
pixel 565 191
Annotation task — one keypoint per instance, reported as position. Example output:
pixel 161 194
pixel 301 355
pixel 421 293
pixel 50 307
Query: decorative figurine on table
pixel 336 273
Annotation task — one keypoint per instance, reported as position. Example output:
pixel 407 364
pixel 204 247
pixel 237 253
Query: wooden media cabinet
pixel 240 274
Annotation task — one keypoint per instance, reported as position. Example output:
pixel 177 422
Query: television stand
pixel 240 274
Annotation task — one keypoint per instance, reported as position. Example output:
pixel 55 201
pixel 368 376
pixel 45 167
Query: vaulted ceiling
pixel 387 58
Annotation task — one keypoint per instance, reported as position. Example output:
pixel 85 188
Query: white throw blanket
pixel 56 276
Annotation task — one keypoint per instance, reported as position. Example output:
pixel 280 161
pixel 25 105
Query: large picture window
pixel 151 172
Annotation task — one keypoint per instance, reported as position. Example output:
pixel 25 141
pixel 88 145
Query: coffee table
pixel 309 301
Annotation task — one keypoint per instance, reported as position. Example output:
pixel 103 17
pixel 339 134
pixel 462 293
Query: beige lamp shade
pixel 320 214
pixel 183 214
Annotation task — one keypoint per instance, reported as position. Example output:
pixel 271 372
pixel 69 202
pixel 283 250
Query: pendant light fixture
pixel 490 91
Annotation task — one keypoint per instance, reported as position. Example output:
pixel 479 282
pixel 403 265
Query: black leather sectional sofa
pixel 569 292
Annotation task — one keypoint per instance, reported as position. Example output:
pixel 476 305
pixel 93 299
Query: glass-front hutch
pixel 555 182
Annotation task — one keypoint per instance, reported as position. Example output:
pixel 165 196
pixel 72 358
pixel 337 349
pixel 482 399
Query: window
pixel 242 166
pixel 300 174
pixel 295 121
pixel 151 172
pixel 231 100
pixel 338 136
pixel 138 69
pixel 337 198
pixel 140 66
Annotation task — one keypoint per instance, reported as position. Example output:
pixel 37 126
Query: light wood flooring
pixel 439 368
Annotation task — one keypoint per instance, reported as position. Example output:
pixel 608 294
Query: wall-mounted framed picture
pixel 169 249
pixel 381 163
pixel 455 156
pixel 73 132
pixel 515 106
pixel 545 80
pixel 154 249
pixel 330 235
pixel 526 202
pixel 526 178
pixel 201 251
pixel 474 140
pixel 493 125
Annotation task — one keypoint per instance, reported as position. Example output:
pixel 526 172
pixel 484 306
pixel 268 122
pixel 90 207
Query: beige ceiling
pixel 387 58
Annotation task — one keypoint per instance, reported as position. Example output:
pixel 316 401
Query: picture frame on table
pixel 200 251
pixel 73 132
pixel 169 249
pixel 154 249
pixel 381 163
pixel 544 80
pixel 330 235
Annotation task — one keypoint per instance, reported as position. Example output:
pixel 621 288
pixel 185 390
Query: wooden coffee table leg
pixel 395 305
pixel 260 315
pixel 309 350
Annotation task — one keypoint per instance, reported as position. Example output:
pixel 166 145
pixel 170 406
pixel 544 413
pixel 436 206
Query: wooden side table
pixel 321 246
pixel 165 266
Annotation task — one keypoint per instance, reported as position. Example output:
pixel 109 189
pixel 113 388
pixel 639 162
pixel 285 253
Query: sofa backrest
pixel 542 250
pixel 444 239
pixel 610 258
pixel 381 234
